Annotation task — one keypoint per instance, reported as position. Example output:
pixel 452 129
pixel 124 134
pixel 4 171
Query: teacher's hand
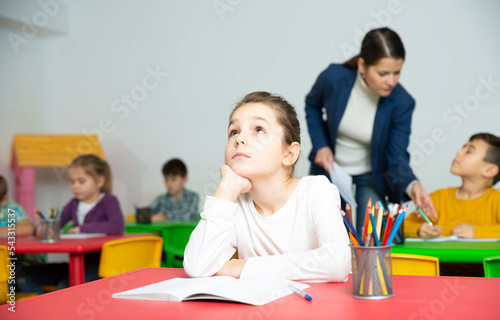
pixel 324 158
pixel 422 199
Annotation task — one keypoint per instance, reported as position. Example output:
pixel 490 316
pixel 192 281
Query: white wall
pixel 72 77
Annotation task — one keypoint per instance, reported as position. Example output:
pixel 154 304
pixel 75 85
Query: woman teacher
pixel 360 116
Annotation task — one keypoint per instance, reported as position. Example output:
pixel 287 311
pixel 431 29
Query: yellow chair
pixel 124 255
pixel 414 265
pixel 4 274
pixel 4 277
pixel 492 267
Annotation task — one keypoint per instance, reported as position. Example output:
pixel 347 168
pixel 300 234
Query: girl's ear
pixel 100 182
pixel 292 154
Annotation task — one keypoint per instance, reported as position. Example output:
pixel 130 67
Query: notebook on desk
pixel 451 238
pixel 82 235
pixel 254 290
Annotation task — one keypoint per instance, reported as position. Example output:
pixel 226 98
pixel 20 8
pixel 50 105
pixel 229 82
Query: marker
pixel 425 216
pixel 300 292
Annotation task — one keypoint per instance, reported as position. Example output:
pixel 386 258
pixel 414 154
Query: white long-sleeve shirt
pixel 304 240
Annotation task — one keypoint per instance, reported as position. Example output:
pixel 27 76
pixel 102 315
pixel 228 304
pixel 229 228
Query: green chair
pixel 492 267
pixel 176 237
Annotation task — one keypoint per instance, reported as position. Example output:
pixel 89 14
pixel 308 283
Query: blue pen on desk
pixel 300 292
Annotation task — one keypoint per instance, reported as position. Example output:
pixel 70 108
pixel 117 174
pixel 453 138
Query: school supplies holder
pixel 142 215
pixel 50 229
pixel 372 272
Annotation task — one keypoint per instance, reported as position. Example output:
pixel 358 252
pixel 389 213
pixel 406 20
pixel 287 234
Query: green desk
pixel 162 229
pixel 158 228
pixel 451 251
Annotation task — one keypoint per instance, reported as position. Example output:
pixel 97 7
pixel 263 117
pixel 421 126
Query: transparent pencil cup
pixel 372 272
pixel 50 230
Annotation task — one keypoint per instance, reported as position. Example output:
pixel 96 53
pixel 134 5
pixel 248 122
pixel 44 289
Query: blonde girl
pixel 94 208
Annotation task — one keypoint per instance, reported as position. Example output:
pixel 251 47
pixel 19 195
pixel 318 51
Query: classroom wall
pixel 157 79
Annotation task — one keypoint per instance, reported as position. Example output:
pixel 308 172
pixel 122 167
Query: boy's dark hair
pixel 174 167
pixel 3 187
pixel 493 152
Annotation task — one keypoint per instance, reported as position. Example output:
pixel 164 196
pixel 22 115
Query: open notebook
pixel 450 238
pixel 82 235
pixel 255 290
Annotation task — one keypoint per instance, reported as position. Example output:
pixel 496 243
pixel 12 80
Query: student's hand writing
pixel 232 268
pixel 231 184
pixel 463 230
pixel 74 230
pixel 422 199
pixel 324 158
pixel 158 217
pixel 426 231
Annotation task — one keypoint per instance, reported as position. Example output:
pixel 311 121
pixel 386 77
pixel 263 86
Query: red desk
pixel 416 298
pixel 75 247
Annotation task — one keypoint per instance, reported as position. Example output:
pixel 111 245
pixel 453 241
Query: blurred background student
pixel 12 214
pixel 360 116
pixel 473 209
pixel 93 210
pixel 178 203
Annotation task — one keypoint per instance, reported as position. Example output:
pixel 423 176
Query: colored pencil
pixel 365 228
pixel 380 205
pixel 388 228
pixel 396 226
pixel 353 240
pixel 351 227
pixel 40 214
pixel 379 223
pixel 373 228
pixel 381 276
pixel 348 209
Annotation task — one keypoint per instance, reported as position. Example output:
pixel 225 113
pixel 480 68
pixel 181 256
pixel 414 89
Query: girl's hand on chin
pixel 233 180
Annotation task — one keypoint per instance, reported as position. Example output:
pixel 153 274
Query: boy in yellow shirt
pixel 473 209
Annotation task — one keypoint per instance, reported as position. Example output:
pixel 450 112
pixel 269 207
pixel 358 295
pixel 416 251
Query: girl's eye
pixel 233 133
pixel 259 130
pixel 382 74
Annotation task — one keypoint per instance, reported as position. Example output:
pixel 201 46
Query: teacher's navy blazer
pixel 391 130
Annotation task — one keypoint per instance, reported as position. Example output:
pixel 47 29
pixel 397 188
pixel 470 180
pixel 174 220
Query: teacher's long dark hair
pixel 378 44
